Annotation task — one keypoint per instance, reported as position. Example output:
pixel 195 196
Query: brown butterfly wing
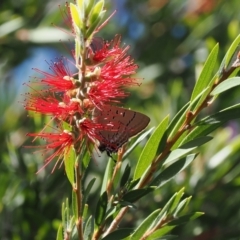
pixel 121 124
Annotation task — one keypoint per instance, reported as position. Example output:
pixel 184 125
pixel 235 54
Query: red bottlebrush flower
pixel 61 78
pixel 62 109
pixel 113 77
pixel 102 51
pixel 60 142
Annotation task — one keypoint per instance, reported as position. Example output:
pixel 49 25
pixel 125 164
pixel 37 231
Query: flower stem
pixel 78 192
pixel 115 171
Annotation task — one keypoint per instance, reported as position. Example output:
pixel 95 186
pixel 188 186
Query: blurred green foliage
pixel 170 40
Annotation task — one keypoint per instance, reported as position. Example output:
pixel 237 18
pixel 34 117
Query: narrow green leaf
pixel 87 191
pixel 63 214
pixel 97 9
pixel 89 7
pixel 125 175
pixel 177 154
pixel 85 156
pixel 225 85
pixel 101 208
pixel 136 194
pixel 200 131
pixel 182 118
pixel 66 126
pixel 205 76
pixel 85 212
pixel 74 205
pixel 232 50
pixel 132 184
pixel 88 229
pixel 186 218
pixel 143 227
pixel 161 232
pixel 69 161
pixel 177 200
pixel 118 234
pixel 60 233
pixel 203 97
pixel 150 149
pixel 75 14
pixel 175 120
pixel 182 205
pixel 164 212
pixel 107 175
pixel 171 171
pixel 125 204
pixel 222 116
pixel 137 141
pixel 80 4
pixel 157 235
pixel 94 25
pixel 197 142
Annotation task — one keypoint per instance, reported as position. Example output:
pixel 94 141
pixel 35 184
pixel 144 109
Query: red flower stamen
pixel 61 78
pixel 59 142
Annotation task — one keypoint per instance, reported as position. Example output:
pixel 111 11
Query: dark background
pixel 170 40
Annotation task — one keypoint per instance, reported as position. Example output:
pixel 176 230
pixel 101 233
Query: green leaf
pixel 175 120
pixel 223 116
pixel 157 234
pixel 124 204
pixel 125 175
pixel 225 85
pixel 161 232
pixel 132 184
pixel 166 209
pixel 80 4
pixel 182 205
pixel 200 131
pixel 176 200
pixel 107 175
pixel 203 97
pixel 118 234
pixel 171 171
pixel 69 162
pixel 66 126
pixel 88 229
pixel 63 214
pixel 94 25
pixel 186 218
pixel 231 51
pixel 87 191
pixel 137 141
pixel 171 225
pixel 85 212
pixel 101 208
pixel 75 14
pixel 150 149
pixel 205 76
pixel 136 194
pixel 177 154
pixel 60 233
pixel 89 7
pixel 182 118
pixel 85 156
pixel 197 142
pixel 143 227
pixel 74 205
pixel 97 9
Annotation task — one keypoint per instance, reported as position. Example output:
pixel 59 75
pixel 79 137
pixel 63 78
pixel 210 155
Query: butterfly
pixel 121 124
